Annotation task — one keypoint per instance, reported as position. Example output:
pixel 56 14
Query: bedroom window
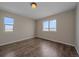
pixel 49 25
pixel 52 25
pixel 8 23
pixel 45 26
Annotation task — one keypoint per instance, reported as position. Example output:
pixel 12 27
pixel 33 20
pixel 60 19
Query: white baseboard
pixel 28 37
pixel 56 41
pixel 32 36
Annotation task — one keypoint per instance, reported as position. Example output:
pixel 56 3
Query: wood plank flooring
pixel 37 47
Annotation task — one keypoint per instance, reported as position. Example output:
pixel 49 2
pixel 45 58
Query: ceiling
pixel 44 8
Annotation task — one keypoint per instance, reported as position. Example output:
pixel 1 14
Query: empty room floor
pixel 37 47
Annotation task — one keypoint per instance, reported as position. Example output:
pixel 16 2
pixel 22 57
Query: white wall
pixel 77 28
pixel 23 28
pixel 65 28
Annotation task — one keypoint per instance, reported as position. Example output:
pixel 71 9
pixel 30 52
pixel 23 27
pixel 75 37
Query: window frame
pixel 49 26
pixel 43 24
pixel 9 25
pixel 55 25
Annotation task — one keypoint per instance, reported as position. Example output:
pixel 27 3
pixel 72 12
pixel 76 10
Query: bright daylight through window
pixel 49 25
pixel 8 23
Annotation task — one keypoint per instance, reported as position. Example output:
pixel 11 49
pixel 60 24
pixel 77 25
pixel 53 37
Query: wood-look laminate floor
pixel 37 47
